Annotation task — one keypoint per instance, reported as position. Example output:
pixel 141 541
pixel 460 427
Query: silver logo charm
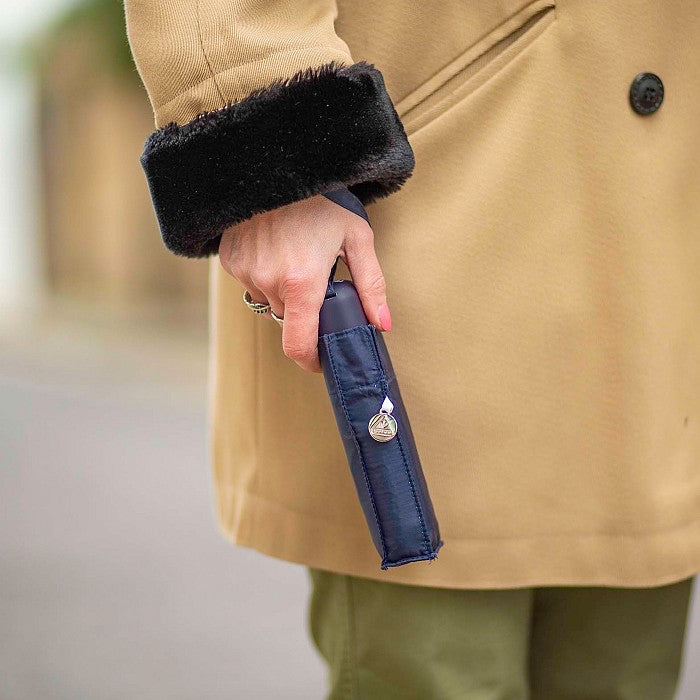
pixel 382 426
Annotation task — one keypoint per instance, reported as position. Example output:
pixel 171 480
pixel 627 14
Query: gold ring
pixel 257 306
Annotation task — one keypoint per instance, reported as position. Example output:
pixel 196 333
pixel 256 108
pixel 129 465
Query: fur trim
pixel 322 128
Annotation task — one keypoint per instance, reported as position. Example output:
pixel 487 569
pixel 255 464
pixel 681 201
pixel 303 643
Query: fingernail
pixel 385 317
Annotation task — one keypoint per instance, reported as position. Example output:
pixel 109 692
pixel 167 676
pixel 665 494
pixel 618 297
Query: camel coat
pixel 542 262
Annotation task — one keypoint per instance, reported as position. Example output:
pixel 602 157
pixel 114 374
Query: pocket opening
pixel 475 65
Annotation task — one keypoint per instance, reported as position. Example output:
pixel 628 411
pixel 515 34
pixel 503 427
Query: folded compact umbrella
pixel 373 423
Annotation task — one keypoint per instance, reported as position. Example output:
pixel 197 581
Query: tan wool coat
pixel 542 263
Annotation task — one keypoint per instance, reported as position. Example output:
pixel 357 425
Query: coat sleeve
pixel 257 104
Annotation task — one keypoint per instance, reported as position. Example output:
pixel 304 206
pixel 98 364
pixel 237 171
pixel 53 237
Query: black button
pixel 646 93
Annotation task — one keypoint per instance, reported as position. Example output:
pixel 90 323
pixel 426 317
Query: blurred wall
pixel 100 236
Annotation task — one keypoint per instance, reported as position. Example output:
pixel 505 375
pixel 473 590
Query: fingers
pixel 283 257
pixel 361 260
pixel 259 295
pixel 298 301
pixel 260 284
pixel 267 284
pixel 302 298
pixel 256 295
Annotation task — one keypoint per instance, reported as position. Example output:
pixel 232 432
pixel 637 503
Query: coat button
pixel 646 93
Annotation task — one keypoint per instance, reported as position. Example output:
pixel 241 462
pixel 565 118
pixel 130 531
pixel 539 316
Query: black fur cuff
pixel 322 128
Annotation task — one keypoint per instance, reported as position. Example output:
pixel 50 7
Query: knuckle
pixel 262 279
pixel 295 284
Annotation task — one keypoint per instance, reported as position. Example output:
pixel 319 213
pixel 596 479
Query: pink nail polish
pixel 385 317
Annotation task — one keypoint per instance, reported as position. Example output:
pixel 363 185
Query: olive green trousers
pixel 386 640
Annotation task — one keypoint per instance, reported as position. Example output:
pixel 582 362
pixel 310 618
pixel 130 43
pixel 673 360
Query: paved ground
pixel 114 582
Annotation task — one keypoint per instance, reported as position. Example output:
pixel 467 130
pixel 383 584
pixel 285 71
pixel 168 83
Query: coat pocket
pixel 386 469
pixel 475 65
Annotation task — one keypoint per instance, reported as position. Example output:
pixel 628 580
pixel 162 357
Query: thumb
pixel 368 278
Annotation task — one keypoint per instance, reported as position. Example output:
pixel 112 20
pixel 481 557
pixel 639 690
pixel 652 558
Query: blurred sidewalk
pixel 115 582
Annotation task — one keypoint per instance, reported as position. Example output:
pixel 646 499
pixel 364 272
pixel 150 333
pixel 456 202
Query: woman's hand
pixel 284 257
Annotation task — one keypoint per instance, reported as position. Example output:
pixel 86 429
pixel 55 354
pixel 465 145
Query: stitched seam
pixel 361 389
pixel 385 386
pixel 415 497
pixel 423 556
pixel 348 331
pixel 359 330
pixel 204 53
pixel 357 445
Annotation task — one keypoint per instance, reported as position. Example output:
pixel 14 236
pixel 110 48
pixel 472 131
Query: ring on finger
pixel 258 306
pixel 277 318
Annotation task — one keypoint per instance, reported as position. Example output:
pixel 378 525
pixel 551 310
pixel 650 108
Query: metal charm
pixel 382 426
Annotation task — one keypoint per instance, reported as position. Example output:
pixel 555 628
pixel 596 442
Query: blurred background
pixel 114 579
